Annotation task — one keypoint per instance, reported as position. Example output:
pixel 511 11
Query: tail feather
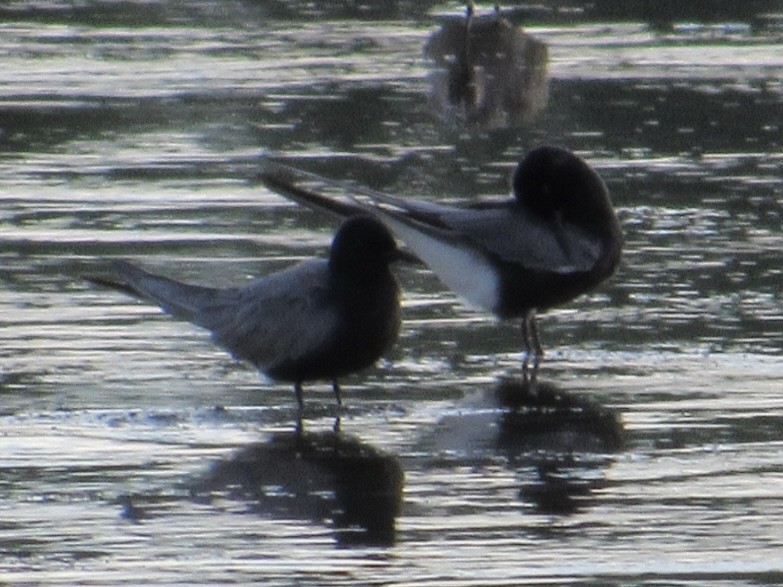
pixel 282 179
pixel 111 283
pixel 181 300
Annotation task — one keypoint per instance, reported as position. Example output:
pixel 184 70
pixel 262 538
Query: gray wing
pixel 501 228
pixel 309 189
pixel 516 236
pixel 508 231
pixel 283 316
pixel 181 300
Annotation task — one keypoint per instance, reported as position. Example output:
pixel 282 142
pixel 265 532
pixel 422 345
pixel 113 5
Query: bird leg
pixel 532 346
pixel 299 399
pixel 336 389
pixel 530 335
pixel 530 376
pixel 338 418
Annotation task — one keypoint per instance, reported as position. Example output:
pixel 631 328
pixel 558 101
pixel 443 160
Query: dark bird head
pixel 554 182
pixel 363 245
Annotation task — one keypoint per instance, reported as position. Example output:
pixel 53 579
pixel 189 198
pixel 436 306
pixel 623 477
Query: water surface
pixel 132 450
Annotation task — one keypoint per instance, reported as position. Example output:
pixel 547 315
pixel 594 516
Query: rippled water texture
pixel 133 451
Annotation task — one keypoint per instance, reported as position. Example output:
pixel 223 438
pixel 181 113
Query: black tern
pixel 556 238
pixel 319 319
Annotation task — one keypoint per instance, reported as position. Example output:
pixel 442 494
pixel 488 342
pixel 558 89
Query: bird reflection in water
pixel 537 414
pixel 565 439
pixel 564 485
pixel 557 443
pixel 316 476
pixel 490 72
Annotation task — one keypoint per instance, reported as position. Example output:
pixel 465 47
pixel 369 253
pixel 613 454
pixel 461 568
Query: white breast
pixel 462 269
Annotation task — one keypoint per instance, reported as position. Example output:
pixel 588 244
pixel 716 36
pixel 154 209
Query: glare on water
pixel 133 450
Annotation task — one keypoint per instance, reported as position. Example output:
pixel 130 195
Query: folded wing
pixel 278 318
pixel 503 229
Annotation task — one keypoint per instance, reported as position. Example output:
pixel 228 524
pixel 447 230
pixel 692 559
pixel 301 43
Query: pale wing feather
pixel 282 317
pixel 178 299
pixel 463 268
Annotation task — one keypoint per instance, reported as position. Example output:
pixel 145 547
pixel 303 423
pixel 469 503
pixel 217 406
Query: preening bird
pixel 556 238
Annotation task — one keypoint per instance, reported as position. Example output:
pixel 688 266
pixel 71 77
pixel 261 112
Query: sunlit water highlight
pixel 135 131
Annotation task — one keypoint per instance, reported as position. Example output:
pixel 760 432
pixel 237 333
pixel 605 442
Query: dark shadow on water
pixel 570 437
pixel 538 415
pixel 558 444
pixel 316 476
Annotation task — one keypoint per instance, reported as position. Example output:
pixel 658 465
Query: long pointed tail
pixel 283 179
pixel 181 300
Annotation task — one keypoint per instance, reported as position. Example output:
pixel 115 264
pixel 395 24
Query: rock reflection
pixel 316 476
pixel 491 74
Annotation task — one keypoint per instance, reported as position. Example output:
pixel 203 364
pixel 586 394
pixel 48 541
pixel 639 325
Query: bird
pixel 322 318
pixel 489 73
pixel 555 238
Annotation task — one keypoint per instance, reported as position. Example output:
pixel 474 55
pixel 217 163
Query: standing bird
pixel 320 319
pixel 555 239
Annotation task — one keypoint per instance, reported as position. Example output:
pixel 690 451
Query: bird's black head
pixel 364 245
pixel 550 180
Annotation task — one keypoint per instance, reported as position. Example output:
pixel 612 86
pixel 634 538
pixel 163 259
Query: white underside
pixel 463 270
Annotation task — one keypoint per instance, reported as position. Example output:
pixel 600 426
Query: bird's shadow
pixel 557 443
pixel 315 476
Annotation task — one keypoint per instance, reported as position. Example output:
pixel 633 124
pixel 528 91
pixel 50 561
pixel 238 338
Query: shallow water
pixel 134 451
